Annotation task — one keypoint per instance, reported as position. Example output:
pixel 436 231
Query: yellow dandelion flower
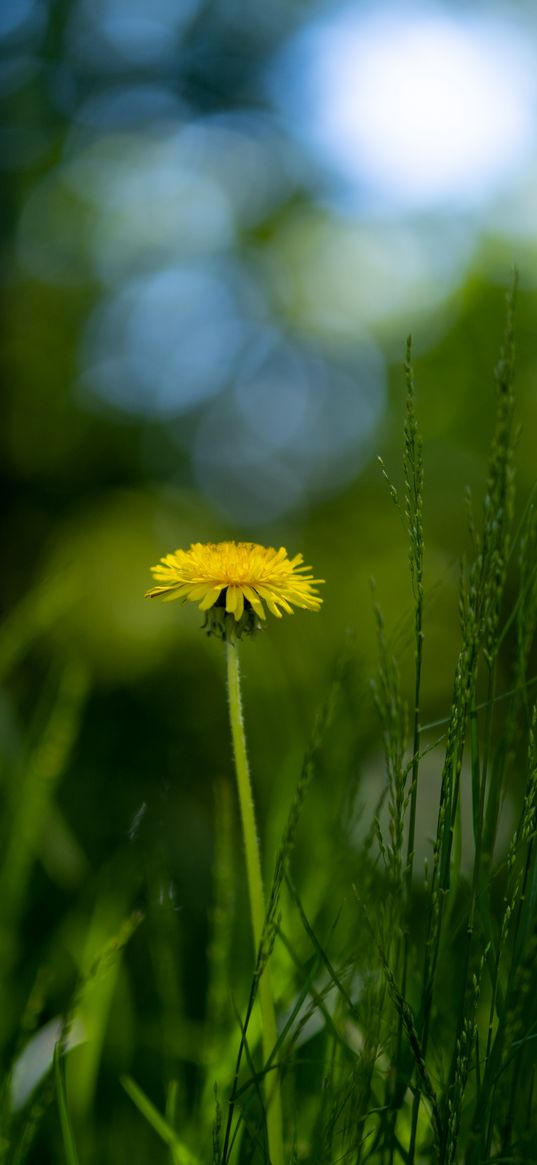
pixel 236 579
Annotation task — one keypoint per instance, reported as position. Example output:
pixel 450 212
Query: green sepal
pixel 225 626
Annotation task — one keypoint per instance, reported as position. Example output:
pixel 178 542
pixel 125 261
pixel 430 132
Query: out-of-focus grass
pixel 403 987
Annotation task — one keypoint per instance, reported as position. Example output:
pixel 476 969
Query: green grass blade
pixel 181 1152
pixel 71 1155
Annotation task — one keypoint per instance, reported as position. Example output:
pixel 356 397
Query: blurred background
pixel 220 222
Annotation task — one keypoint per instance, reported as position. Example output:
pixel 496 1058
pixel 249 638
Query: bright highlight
pixel 417 108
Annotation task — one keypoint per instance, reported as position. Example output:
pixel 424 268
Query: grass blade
pixel 153 1117
pixel 71 1154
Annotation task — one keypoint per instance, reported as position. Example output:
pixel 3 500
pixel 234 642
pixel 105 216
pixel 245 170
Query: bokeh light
pixel 253 214
pixel 166 340
pixel 411 108
pixel 22 18
pixel 337 276
pixel 294 427
pixel 108 31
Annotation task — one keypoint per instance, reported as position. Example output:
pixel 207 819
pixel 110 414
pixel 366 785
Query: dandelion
pixel 233 581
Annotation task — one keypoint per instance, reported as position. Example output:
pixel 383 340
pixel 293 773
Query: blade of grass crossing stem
pixel 171 1116
pixel 71 1154
pixel 181 1153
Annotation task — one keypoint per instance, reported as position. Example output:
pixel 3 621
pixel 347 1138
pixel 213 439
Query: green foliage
pixel 405 991
pixel 71 1155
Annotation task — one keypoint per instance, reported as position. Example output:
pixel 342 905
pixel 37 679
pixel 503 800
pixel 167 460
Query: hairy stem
pixel 257 901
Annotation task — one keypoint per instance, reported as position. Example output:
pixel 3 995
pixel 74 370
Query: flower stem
pixel 257 901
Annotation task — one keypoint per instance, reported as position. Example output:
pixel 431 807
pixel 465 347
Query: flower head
pixel 233 580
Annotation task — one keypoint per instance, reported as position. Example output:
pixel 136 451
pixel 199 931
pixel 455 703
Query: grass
pixel 405 991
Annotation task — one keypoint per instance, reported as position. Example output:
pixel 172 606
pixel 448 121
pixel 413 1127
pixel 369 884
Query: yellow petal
pixel 164 591
pixel 273 608
pixel 198 590
pixel 210 598
pixel 286 606
pixel 232 595
pixel 254 599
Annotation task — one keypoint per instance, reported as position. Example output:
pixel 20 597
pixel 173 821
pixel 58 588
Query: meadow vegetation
pixel 402 964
